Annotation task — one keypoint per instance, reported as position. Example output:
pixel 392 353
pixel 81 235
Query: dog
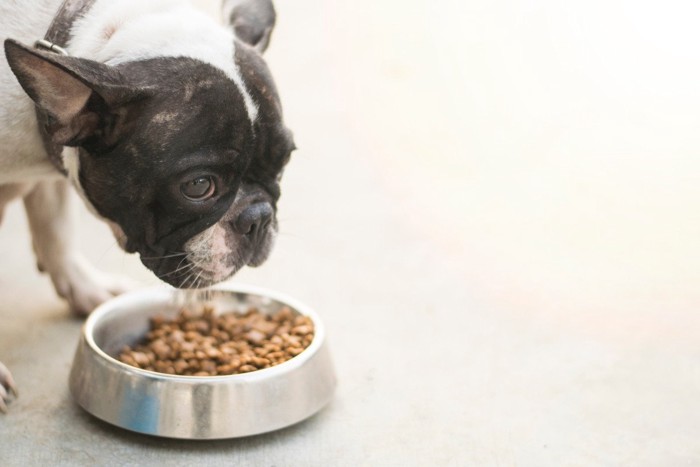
pixel 166 123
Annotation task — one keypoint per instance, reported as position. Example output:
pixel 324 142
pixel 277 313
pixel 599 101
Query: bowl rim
pixel 139 295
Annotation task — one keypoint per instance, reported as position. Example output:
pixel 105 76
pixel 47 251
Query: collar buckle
pixel 43 44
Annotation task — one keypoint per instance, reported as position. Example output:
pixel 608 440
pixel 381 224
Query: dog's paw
pixel 85 287
pixel 7 387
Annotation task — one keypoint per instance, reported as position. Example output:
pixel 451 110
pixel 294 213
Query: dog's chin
pixel 187 271
pixel 182 273
pixel 201 278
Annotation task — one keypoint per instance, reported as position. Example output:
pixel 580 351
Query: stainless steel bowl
pixel 194 407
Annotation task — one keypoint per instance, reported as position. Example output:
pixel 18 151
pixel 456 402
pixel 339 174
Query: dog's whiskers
pixel 174 255
pixel 192 281
pixel 182 284
pixel 196 281
pixel 191 278
pixel 186 267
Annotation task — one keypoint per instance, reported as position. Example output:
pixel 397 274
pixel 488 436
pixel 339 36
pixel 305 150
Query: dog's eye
pixel 198 189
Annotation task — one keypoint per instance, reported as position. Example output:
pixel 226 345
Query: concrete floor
pixel 494 208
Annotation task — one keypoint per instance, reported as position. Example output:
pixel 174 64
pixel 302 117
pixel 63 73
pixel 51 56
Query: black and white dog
pixel 168 126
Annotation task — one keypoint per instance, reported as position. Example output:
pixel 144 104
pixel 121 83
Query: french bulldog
pixel 168 125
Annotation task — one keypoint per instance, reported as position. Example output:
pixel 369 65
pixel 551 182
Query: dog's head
pixel 183 165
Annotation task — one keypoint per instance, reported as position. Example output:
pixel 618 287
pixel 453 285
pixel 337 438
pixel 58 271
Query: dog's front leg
pixel 49 215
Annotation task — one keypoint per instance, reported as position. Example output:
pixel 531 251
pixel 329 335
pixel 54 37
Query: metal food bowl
pixel 195 407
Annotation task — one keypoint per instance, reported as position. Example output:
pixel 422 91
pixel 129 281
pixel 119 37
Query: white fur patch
pixel 22 154
pixel 118 31
pixel 209 253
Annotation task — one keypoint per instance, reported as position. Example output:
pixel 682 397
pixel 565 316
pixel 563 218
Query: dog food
pixel 208 344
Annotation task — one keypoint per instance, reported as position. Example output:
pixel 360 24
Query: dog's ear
pixel 252 21
pixel 76 93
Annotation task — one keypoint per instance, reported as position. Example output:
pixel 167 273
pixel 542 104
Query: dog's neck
pixel 58 34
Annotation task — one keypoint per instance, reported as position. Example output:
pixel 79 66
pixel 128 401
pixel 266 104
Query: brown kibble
pixel 192 336
pixel 140 358
pixel 157 321
pixel 254 336
pixel 291 341
pixel 208 366
pixel 285 314
pixel 180 366
pixel 228 350
pixel 260 362
pixel 126 357
pixel 266 327
pixel 275 355
pixel 224 336
pixel 302 330
pixel 187 346
pixel 177 336
pixel 160 348
pixel 245 358
pixel 299 320
pixel 276 340
pixel 207 344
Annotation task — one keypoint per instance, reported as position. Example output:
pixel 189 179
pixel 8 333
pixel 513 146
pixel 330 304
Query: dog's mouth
pixel 212 256
pixel 186 273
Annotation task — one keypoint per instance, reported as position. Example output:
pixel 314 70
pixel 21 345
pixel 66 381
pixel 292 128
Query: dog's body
pixel 170 129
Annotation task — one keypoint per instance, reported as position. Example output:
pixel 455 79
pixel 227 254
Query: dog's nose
pixel 254 219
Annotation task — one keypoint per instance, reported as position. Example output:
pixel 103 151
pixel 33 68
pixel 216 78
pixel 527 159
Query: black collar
pixel 55 40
